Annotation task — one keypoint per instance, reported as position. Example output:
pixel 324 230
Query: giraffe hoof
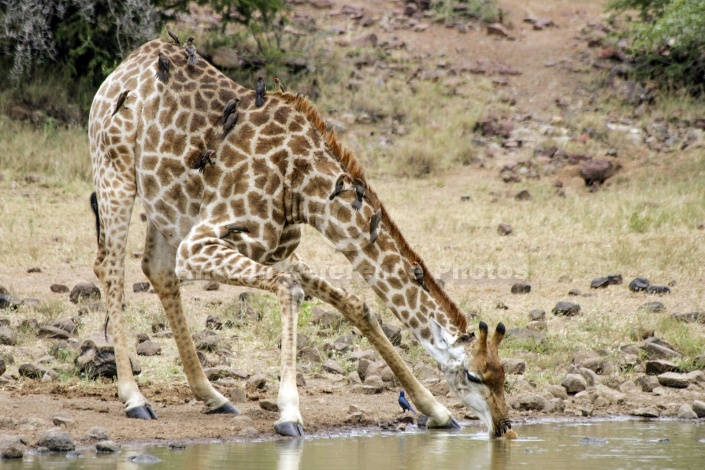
pixel 452 424
pixel 141 412
pixel 226 409
pixel 289 429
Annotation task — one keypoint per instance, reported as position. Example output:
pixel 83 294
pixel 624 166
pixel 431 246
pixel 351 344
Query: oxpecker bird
pixel 120 101
pixel 418 275
pixel 205 159
pixel 374 223
pixel 234 228
pixel 339 186
pixel 231 120
pixel 229 108
pixel 191 58
pixel 404 403
pixel 278 86
pixel 260 89
pixel 360 191
pixel 174 37
pixel 162 68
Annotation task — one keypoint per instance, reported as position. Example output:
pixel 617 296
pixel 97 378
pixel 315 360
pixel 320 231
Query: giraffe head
pixel 474 372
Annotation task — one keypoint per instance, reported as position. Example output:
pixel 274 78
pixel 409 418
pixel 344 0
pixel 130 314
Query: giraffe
pixel 237 219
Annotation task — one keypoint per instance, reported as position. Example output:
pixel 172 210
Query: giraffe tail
pixel 94 207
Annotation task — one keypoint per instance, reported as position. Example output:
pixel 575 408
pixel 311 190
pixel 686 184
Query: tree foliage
pixel 668 39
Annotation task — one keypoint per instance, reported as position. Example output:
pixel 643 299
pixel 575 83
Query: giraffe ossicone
pixel 239 222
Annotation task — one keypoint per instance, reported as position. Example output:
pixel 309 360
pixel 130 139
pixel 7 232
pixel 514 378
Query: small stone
pixel 149 348
pixel 652 307
pixel 107 447
pixel 646 412
pixel 699 408
pixel 32 371
pixel 656 351
pixel 97 434
pixel 537 314
pixel 600 283
pixel 255 384
pixel 310 354
pixel 574 383
pixel 214 323
pixel 677 380
pixel 523 195
pixel 513 366
pixel 693 317
pixel 56 441
pixel 237 394
pixel 567 309
pixel 639 284
pixel 521 288
pixel 393 333
pixel 84 291
pixel 211 286
pixel 9 302
pixel 658 290
pixel 140 287
pixel 686 412
pixel 332 367
pixel 59 288
pixel 8 336
pixel 529 402
pixel 269 405
pixel 504 229
pixel 659 366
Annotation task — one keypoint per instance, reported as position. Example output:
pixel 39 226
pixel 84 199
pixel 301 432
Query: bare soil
pixel 28 407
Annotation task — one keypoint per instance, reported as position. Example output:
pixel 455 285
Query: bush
pixel 667 42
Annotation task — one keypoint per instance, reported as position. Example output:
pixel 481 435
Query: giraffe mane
pixel 355 170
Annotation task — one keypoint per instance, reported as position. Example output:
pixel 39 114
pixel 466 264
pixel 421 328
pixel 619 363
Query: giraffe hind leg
pixel 203 255
pixel 158 265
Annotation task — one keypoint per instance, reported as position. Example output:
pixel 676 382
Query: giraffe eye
pixel 476 379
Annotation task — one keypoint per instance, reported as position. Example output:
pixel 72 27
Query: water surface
pixel 558 445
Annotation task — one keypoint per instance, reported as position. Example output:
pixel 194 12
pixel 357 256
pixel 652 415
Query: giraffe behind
pixel 236 218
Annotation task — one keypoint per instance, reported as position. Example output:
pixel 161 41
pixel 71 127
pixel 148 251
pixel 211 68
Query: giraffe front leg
pixel 158 265
pixel 204 255
pixel 359 315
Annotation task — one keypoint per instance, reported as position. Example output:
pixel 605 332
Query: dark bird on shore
pixel 234 228
pixel 260 89
pixel 418 275
pixel 360 191
pixel 191 58
pixel 120 101
pixel 202 162
pixel 339 186
pixel 278 86
pixel 374 223
pixel 404 403
pixel 229 108
pixel 174 37
pixel 163 68
pixel 231 120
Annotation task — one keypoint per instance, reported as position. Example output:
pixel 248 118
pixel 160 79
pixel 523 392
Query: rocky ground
pixel 537 60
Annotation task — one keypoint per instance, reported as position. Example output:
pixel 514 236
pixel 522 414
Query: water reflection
pixel 578 446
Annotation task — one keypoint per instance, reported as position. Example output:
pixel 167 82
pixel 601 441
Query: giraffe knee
pixel 289 286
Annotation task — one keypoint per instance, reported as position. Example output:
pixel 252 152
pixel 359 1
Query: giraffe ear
pixel 443 348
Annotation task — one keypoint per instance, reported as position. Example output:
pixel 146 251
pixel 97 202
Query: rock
pixel 647 383
pixel 144 458
pixel 504 229
pixel 226 58
pixel 56 441
pixel 52 332
pixel 574 383
pixel 686 412
pixel 69 325
pixel 693 317
pixel 393 333
pixel 214 323
pixel 9 302
pixel 237 394
pixel 554 405
pixel 646 412
pixel 97 434
pixel 652 307
pixel 678 380
pixel 344 344
pixel 211 286
pixel 32 371
pixel 97 358
pixel 567 309
pixel 149 348
pixel 8 337
pixel 537 314
pixel 11 452
pixel 538 326
pixel 496 29
pixel 108 447
pixel 599 283
pixel 209 343
pixel 699 408
pixel 529 402
pixel 521 288
pixel 513 366
pixel 256 384
pixel 656 351
pixel 310 354
pixel 658 290
pixel 375 382
pixel 269 405
pixel 59 288
pixel 84 291
pixel 596 171
pixel 332 367
pixel 639 284
pixel 526 335
pixel 659 366
pixel 325 319
pixel 522 195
